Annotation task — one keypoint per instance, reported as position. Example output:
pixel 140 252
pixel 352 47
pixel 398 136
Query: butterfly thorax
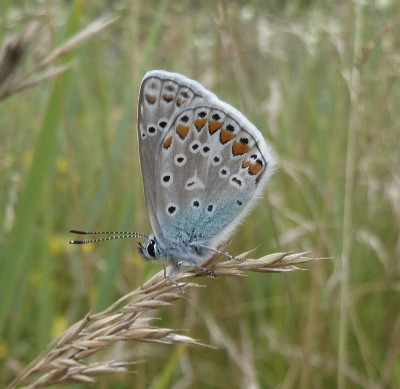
pixel 174 253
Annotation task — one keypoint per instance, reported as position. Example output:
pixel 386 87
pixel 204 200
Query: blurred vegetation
pixel 321 81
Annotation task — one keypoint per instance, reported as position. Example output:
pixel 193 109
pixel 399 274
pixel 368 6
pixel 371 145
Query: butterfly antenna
pixel 116 235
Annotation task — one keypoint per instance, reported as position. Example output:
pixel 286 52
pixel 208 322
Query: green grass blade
pixel 16 252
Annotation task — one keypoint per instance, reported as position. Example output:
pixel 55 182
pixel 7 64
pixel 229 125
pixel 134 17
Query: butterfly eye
pixel 151 248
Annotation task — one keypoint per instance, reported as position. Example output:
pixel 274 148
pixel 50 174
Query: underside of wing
pixel 162 96
pixel 212 165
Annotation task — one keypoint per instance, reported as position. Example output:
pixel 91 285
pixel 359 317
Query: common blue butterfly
pixel 203 165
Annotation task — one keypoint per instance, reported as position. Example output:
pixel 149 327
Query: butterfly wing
pixel 162 95
pixel 212 164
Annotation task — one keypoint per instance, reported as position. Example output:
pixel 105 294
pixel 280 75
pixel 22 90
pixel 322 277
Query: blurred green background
pixel 321 81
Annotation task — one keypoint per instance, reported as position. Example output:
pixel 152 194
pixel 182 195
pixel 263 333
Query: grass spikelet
pixel 65 359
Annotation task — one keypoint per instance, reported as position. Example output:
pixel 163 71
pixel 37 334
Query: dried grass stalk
pixel 64 360
pixel 15 51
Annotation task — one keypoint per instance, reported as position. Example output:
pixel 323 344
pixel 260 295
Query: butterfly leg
pixel 224 253
pixel 168 275
pixel 191 264
pixel 177 285
pixel 165 271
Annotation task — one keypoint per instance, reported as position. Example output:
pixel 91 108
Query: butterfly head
pixel 149 249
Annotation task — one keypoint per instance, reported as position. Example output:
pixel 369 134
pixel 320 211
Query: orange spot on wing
pixel 151 99
pixel 167 142
pixel 255 168
pixel 199 123
pixel 182 130
pixel 168 98
pixel 240 148
pixel 180 102
pixel 213 126
pixel 225 136
pixel 246 164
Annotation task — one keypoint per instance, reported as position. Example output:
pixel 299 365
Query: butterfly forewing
pixel 162 95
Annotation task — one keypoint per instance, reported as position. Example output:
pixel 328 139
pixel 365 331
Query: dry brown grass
pixel 14 78
pixel 129 320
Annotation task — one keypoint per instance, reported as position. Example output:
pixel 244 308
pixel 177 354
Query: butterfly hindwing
pixel 211 165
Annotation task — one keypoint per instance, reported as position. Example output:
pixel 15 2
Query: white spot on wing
pixel 194 183
pixel 216 160
pixel 180 159
pixel 162 124
pixel 152 130
pixel 210 208
pixel 167 179
pixel 205 149
pixel 236 181
pixel 196 203
pixel 224 172
pixel 195 146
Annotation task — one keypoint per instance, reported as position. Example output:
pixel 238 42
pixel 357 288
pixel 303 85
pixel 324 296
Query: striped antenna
pixel 117 235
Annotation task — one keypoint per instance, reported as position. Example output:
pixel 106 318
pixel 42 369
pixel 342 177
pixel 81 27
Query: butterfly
pixel 203 166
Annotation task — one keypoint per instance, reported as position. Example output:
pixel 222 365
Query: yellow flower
pixel 61 165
